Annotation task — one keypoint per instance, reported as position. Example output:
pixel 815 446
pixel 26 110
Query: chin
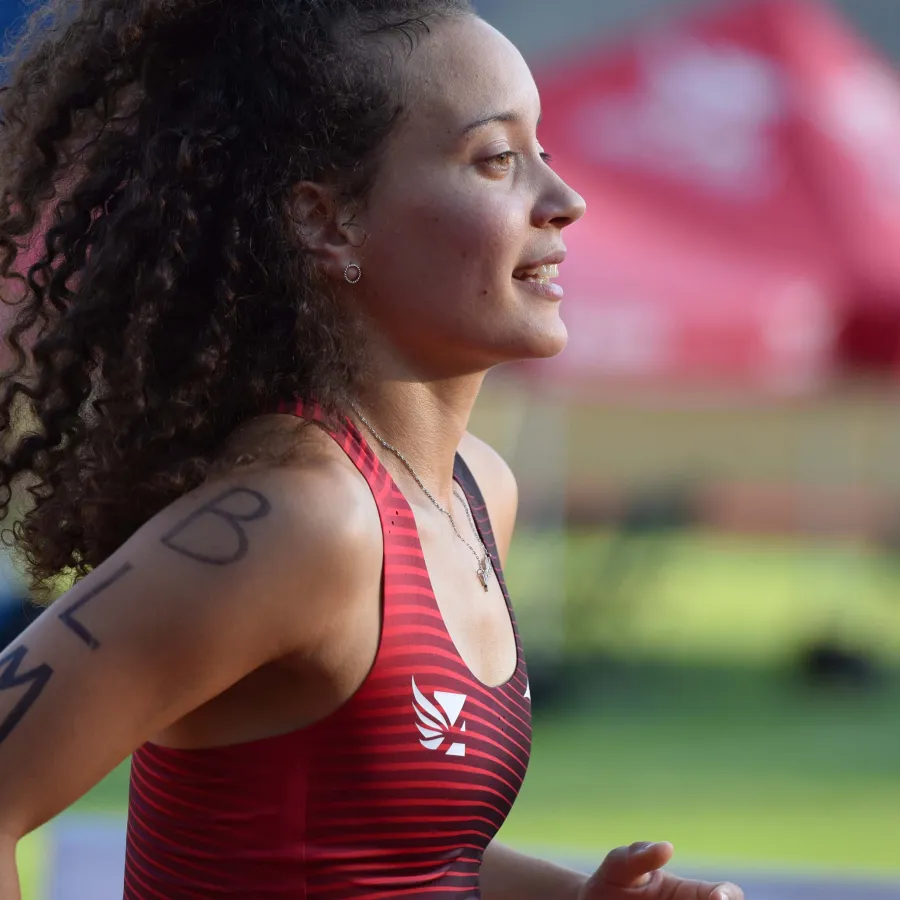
pixel 543 344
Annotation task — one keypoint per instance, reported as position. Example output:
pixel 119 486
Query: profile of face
pixel 464 210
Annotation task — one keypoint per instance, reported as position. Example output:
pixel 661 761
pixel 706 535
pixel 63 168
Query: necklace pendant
pixel 483 574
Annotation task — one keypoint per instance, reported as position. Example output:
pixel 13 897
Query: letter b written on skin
pixel 214 534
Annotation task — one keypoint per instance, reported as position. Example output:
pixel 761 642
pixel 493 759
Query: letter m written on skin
pixel 30 684
pixel 13 678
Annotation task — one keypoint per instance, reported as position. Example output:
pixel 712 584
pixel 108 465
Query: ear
pixel 325 227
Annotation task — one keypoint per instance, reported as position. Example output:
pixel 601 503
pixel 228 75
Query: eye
pixel 547 158
pixel 502 161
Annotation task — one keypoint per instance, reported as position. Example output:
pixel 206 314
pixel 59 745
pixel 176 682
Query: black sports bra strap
pixel 478 506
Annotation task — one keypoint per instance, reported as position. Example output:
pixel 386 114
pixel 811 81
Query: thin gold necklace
pixel 483 569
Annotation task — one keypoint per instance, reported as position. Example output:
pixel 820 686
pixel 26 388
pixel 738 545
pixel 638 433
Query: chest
pixel 478 622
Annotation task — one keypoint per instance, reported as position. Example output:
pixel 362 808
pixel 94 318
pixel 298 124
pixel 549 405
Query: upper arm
pixel 498 485
pixel 231 577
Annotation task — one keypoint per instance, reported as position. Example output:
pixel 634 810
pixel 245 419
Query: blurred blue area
pixel 16 614
pixel 16 611
pixel 10 11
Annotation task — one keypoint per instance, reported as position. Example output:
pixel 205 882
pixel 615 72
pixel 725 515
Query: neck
pixel 425 421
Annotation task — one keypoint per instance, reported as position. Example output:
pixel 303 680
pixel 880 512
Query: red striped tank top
pixel 396 794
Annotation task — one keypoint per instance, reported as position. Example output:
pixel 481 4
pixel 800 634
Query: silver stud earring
pixel 355 276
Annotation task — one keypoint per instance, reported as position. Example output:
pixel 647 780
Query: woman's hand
pixel 634 873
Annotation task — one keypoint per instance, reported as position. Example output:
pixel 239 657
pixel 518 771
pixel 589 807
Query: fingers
pixel 630 867
pixel 726 891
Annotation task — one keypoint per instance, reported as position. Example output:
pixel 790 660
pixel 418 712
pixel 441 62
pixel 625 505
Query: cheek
pixel 454 239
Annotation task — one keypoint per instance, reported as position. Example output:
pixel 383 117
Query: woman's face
pixel 464 204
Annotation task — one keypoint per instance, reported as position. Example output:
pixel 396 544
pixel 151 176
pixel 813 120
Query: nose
pixel 559 204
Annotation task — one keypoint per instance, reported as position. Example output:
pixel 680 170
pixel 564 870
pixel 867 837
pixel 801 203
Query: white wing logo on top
pixel 436 719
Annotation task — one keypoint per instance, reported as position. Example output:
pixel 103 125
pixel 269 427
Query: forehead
pixel 466 70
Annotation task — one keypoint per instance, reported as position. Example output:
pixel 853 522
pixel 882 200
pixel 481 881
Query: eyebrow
pixel 498 117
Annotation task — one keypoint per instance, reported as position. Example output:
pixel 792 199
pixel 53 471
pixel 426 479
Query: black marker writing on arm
pixel 235 507
pixel 37 679
pixel 67 616
pixel 11 678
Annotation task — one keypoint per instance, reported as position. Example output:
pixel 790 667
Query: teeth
pixel 542 273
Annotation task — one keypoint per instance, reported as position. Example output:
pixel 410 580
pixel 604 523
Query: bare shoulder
pixel 268 552
pixel 498 485
pixel 311 518
pixel 323 502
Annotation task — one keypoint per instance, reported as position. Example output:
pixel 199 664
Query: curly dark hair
pixel 169 299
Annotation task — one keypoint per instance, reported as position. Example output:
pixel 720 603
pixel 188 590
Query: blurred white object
pixel 87 858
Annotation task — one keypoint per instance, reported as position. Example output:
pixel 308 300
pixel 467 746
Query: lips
pixel 538 280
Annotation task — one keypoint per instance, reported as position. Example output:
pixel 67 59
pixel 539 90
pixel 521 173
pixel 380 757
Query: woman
pixel 291 238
